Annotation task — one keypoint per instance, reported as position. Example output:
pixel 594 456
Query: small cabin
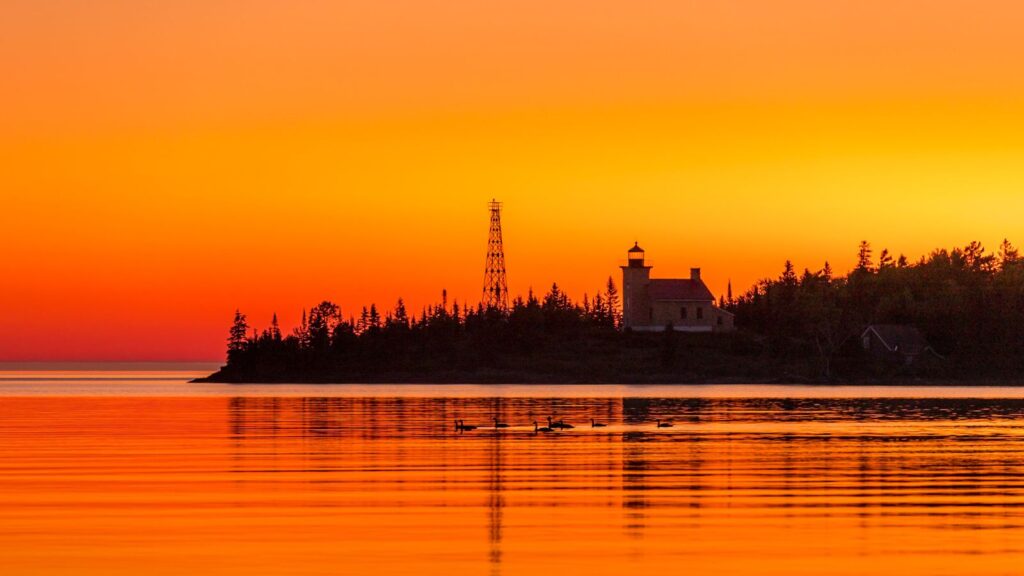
pixel 899 343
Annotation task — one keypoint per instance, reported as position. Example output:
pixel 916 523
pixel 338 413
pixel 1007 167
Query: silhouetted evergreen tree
pixel 401 317
pixel 864 257
pixel 611 298
pixel 237 337
pixel 373 318
pixel 1008 255
pixel 275 328
pixel 363 324
pixel 885 260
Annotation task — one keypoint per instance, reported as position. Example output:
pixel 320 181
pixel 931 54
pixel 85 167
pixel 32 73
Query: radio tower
pixel 495 286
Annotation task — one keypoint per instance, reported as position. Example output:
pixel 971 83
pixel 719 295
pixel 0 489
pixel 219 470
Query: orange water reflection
pixel 385 485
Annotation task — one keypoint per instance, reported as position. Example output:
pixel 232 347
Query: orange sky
pixel 166 162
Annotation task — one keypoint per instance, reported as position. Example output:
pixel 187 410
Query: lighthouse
pixel 636 276
pixel 656 304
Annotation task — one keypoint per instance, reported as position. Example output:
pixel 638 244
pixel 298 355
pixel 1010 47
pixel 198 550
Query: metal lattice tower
pixel 495 285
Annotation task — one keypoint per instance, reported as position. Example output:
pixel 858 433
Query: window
pixel 700 312
pixel 682 312
pixel 866 342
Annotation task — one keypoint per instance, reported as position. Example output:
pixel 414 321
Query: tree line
pixel 441 338
pixel 968 302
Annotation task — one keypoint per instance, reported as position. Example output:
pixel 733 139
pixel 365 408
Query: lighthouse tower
pixel 636 277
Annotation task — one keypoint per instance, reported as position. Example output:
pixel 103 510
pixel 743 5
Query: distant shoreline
pixel 109 365
pixel 953 318
pixel 479 381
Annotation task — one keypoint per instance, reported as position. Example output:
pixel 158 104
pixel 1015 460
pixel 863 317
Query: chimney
pixel 694 273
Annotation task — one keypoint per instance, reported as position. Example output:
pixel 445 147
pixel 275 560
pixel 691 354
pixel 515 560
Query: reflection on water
pixel 387 485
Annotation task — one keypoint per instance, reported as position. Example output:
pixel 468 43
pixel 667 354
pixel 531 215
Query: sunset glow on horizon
pixel 166 164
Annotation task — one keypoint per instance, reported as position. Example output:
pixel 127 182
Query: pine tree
pixel 885 260
pixel 808 278
pixel 976 259
pixel 401 316
pixel 301 331
pixel 275 329
pixel 788 273
pixel 1008 255
pixel 599 310
pixel 864 257
pixel 237 335
pixel 554 299
pixel 611 300
pixel 374 317
pixel 364 321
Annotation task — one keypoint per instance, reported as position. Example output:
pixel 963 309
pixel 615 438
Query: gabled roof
pixel 636 247
pixel 899 337
pixel 680 289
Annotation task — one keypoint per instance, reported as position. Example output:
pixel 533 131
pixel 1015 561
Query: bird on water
pixel 560 424
pixel 537 428
pixel 664 424
pixel 461 426
pixel 597 424
pixel 499 424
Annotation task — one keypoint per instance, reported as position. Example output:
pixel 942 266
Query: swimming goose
pixel 499 424
pixel 465 427
pixel 664 424
pixel 538 429
pixel 596 424
pixel 560 424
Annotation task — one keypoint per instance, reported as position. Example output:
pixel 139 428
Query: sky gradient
pixel 166 162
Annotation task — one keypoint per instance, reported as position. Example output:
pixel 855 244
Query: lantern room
pixel 636 256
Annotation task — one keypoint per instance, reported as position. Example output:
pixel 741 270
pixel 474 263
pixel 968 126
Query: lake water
pixel 137 472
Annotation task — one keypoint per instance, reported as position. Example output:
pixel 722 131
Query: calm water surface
pixel 137 472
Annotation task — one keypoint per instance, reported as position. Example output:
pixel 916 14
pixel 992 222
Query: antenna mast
pixel 495 285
